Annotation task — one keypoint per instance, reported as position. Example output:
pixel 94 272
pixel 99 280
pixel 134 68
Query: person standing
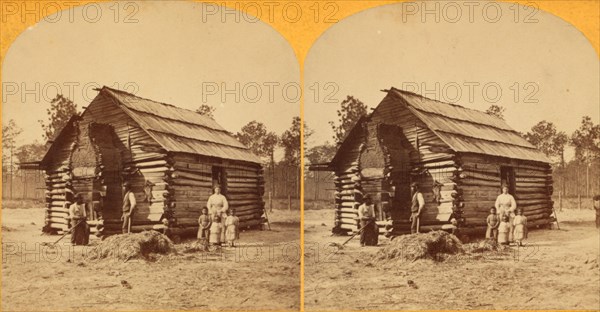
pixel 503 229
pixel 416 207
pixel 366 216
pixel 506 205
pixel 520 226
pixel 204 223
pixel 80 234
pixel 232 228
pixel 129 205
pixel 217 205
pixel 493 221
pixel 215 231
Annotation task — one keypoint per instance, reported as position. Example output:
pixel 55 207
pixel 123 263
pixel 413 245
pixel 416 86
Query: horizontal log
pixel 232 185
pixel 188 182
pixel 191 176
pixel 243 190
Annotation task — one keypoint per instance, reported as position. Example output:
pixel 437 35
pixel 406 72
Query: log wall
pixel 480 182
pixel 192 183
pixel 411 154
pixel 171 186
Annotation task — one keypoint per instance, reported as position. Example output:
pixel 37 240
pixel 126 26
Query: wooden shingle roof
pixel 181 130
pixel 467 130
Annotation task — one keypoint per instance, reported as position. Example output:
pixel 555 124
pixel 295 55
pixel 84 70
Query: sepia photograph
pixel 455 162
pixel 324 155
pixel 151 161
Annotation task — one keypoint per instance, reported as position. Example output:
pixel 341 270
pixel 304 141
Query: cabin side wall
pixel 480 183
pixel 59 190
pixel 193 180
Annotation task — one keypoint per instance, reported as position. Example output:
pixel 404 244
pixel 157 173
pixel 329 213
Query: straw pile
pixel 485 246
pixel 132 246
pixel 434 245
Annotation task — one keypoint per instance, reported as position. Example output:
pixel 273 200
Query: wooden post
pixel 289 202
pixel 270 201
pixel 560 204
pixel 579 201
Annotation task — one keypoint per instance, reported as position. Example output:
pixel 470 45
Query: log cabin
pixel 172 158
pixel 459 157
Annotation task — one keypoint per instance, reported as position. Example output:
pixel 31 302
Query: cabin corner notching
pixel 171 157
pixel 459 157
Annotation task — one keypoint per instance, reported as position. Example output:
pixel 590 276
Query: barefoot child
pixel 232 224
pixel 520 224
pixel 204 224
pixel 493 221
pixel 215 231
pixel 503 230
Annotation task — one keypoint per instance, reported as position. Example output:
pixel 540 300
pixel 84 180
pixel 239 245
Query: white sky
pixel 378 48
pixel 166 56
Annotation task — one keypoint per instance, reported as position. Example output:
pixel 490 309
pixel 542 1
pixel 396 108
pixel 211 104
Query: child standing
pixel 493 221
pixel 503 230
pixel 232 224
pixel 215 231
pixel 520 224
pixel 204 224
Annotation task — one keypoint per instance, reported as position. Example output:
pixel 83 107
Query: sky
pixel 551 64
pixel 170 52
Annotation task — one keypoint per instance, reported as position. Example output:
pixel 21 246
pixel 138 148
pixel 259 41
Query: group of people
pixel 218 224
pixel 369 231
pixel 506 223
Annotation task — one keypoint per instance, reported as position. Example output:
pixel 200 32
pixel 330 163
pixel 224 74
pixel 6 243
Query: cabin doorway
pixel 507 177
pixel 108 193
pixel 218 178
pixel 398 149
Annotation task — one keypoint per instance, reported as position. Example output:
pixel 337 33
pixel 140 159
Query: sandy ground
pixel 558 269
pixel 263 273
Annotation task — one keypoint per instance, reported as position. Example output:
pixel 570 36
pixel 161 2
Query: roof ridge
pixel 484 139
pixel 463 120
pixel 199 140
pixel 445 103
pixel 154 101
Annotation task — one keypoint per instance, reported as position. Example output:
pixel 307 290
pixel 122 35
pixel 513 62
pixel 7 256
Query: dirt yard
pixel 558 269
pixel 262 273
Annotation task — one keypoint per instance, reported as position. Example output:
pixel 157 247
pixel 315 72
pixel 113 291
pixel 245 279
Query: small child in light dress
pixel 503 230
pixel 215 231
pixel 232 225
pixel 520 224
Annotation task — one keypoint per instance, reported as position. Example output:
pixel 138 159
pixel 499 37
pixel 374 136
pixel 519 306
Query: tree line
pixel 579 175
pixel 255 135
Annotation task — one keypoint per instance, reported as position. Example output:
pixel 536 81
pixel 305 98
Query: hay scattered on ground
pixel 434 245
pixel 485 246
pixel 133 246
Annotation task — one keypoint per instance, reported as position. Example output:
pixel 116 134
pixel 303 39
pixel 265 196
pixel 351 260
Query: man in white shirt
pixel 416 207
pixel 129 205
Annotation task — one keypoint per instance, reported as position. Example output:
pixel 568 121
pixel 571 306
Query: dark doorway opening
pixel 218 179
pixel 507 177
